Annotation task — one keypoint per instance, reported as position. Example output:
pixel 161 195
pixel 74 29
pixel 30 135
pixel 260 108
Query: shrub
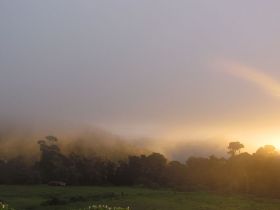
pixel 4 206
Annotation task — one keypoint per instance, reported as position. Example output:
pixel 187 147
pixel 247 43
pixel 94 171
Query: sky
pixel 176 70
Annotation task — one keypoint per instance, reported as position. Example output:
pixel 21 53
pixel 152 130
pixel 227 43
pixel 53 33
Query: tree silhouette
pixel 234 147
pixel 266 150
pixel 244 173
pixel 52 162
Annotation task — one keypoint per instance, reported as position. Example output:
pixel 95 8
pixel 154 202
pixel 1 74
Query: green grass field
pixel 67 198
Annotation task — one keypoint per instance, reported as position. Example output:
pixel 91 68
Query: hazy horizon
pixel 184 71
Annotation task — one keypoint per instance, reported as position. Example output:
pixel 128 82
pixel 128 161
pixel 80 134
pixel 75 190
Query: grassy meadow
pixel 67 198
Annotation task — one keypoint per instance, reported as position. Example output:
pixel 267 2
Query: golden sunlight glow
pixel 253 137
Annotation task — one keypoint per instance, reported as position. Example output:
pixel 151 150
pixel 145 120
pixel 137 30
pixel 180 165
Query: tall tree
pixel 234 147
pixel 52 164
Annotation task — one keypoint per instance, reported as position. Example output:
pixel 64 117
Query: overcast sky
pixel 175 69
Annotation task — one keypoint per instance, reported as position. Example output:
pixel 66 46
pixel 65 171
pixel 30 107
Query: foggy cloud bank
pixel 16 140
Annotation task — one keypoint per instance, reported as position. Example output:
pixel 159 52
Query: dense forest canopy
pixel 256 173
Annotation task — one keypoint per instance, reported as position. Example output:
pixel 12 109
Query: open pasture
pixel 68 198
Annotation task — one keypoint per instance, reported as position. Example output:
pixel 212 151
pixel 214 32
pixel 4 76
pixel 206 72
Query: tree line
pixel 257 173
